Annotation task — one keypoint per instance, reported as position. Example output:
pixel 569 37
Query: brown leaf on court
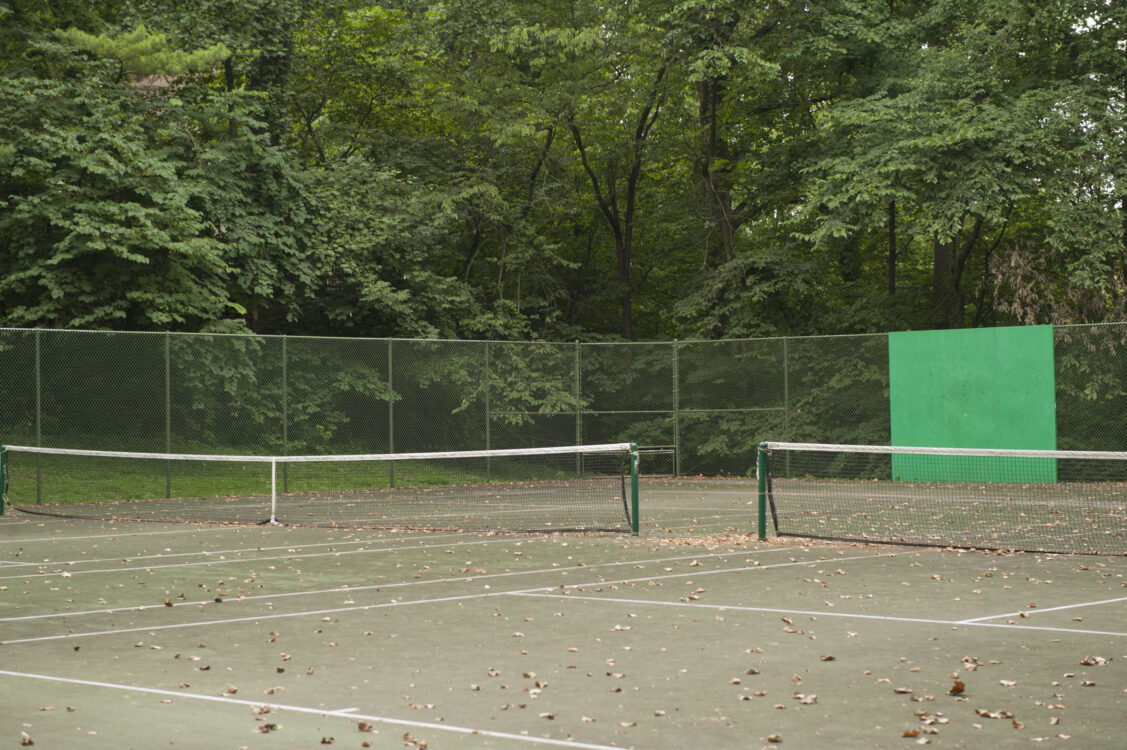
pixel 259 710
pixel 827 657
pixel 1017 724
pixel 327 740
pixel 957 688
pixel 1091 661
pixel 775 738
pixel 627 724
pixel 364 726
pixel 266 728
pixel 986 714
pixel 911 733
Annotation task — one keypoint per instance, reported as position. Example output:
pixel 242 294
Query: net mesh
pixel 1043 501
pixel 554 489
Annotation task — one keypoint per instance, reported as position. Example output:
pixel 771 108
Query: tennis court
pixel 691 634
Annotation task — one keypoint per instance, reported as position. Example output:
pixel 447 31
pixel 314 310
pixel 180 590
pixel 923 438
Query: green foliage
pixel 143 53
pixel 97 226
pixel 562 170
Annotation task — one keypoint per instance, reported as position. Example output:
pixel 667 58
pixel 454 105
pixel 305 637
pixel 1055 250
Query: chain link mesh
pixel 709 402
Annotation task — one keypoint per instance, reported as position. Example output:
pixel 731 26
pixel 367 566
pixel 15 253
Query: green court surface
pixel 691 635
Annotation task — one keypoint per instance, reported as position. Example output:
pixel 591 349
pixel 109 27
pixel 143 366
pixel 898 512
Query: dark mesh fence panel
pixel 226 394
pixel 838 390
pixel 1091 387
pixel 731 395
pixel 18 413
pixel 103 388
pixel 336 397
pixel 438 401
pixel 628 393
pixel 533 397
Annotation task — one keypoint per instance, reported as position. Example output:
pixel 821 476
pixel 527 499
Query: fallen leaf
pixel 986 714
pixel 774 738
pixel 957 688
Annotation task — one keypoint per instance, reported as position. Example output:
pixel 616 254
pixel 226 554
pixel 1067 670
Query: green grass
pixel 85 480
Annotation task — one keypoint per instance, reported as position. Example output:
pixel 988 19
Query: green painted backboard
pixel 973 388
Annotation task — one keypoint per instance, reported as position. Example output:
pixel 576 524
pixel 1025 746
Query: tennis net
pixel 574 488
pixel 1038 501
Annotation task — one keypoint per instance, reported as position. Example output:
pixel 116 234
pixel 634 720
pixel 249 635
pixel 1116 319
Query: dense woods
pixel 562 169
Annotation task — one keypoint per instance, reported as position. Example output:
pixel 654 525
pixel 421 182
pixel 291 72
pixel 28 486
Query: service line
pixel 814 613
pixel 370 587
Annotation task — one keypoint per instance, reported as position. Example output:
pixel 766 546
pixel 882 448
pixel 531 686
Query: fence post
pixel 488 414
pixel 285 416
pixel 676 409
pixel 38 421
pixel 390 415
pixel 167 416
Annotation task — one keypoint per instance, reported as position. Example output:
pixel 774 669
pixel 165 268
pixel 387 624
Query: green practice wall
pixel 973 388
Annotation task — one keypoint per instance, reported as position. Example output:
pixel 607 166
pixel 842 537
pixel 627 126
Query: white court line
pixel 256 618
pixel 813 613
pixel 248 560
pixel 191 530
pixel 337 610
pixel 349 713
pixel 366 587
pixel 1039 610
pixel 294 548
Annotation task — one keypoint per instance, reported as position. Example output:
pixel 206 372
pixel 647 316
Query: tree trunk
pixel 891 249
pixel 948 300
pixel 946 291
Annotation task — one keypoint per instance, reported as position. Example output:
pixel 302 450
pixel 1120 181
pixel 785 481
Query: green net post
pixel 634 524
pixel 3 478
pixel 761 474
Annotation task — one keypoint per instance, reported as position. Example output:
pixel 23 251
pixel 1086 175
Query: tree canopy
pixel 562 170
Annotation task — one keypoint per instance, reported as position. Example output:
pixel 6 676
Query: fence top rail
pixel 385 339
pixel 496 453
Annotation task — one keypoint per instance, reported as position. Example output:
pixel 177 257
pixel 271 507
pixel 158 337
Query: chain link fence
pixel 707 402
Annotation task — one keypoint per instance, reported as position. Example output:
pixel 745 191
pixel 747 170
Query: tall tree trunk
pixel 891 249
pixel 717 187
pixel 950 259
pixel 620 219
pixel 946 291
